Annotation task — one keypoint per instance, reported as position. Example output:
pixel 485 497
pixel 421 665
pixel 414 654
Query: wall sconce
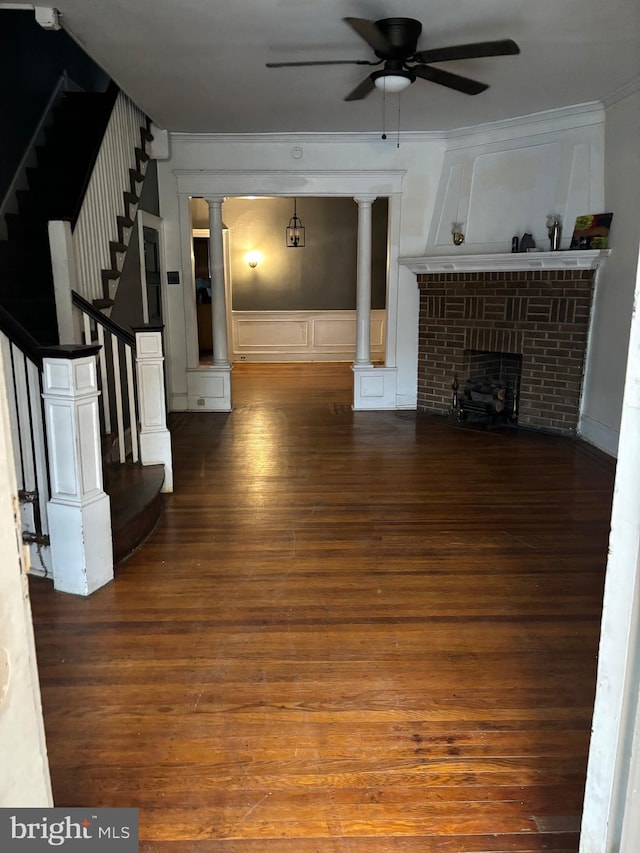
pixel 294 231
pixel 253 259
pixel 457 233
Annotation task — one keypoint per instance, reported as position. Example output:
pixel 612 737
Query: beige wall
pixel 320 277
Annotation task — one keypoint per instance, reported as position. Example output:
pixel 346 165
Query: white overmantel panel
pixel 589 259
pixel 501 182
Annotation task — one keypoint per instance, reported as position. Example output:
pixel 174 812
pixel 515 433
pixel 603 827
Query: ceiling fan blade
pixel 505 47
pixel 369 31
pixel 320 62
pixel 446 78
pixel 361 91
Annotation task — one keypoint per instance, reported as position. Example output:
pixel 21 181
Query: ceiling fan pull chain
pixel 398 138
pixel 384 114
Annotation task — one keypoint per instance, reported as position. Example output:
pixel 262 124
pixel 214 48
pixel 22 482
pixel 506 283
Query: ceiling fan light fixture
pixel 392 82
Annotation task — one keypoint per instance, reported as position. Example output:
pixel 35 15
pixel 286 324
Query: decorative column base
pixel 374 388
pixel 209 389
pixel 154 437
pixel 83 553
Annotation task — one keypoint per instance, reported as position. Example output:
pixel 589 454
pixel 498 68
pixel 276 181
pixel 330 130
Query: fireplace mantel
pixel 573 259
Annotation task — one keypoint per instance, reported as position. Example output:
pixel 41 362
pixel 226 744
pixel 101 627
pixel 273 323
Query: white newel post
pixel 363 294
pixel 155 438
pixel 79 511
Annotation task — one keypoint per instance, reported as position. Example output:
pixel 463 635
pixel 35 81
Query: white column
pixel 218 297
pixel 79 511
pixel 363 294
pixel 155 438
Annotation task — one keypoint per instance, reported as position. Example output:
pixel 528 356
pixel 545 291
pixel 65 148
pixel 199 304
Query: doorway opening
pixel 289 304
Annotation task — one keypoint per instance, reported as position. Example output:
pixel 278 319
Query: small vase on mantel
pixel 527 242
pixel 554 229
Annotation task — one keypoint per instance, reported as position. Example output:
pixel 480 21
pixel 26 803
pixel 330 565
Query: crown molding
pixel 373 138
pixel 576 115
pixel 546 121
pixel 630 88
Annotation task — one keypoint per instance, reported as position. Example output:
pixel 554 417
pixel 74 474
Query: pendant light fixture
pixel 295 231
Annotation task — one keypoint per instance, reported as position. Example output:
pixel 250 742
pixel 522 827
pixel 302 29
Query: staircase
pixel 60 186
pixel 55 189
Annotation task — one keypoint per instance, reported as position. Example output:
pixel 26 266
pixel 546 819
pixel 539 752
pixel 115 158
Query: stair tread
pixel 136 504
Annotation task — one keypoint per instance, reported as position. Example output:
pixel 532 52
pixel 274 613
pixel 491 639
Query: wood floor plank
pixel 351 631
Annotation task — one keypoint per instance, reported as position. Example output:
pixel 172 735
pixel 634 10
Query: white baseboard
pixel 601 436
pixel 179 402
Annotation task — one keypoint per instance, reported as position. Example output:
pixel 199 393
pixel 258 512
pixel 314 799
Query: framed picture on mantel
pixel 591 231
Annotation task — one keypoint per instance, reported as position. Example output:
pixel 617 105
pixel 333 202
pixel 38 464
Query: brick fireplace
pixel 536 307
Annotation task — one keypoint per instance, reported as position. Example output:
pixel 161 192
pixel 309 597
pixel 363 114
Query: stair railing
pixel 133 409
pixel 23 380
pixel 102 221
pixel 119 406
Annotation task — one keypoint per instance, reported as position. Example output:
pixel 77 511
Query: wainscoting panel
pixel 269 333
pixel 302 335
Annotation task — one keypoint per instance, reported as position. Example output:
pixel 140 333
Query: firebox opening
pixel 489 394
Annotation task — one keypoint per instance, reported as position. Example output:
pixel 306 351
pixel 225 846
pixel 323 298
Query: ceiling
pixel 199 65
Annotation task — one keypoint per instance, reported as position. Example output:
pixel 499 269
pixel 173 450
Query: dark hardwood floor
pixel 359 632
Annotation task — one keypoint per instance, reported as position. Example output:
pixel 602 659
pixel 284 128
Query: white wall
pixel 24 773
pixel 604 380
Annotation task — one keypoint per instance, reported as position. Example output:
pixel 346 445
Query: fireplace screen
pixel 489 394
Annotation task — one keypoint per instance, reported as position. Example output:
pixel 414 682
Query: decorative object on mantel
pixel 515 243
pixel 527 242
pixel 457 233
pixel 295 230
pixel 554 229
pixel 591 231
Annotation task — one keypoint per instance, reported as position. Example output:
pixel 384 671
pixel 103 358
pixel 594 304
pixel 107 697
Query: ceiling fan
pixel 395 42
